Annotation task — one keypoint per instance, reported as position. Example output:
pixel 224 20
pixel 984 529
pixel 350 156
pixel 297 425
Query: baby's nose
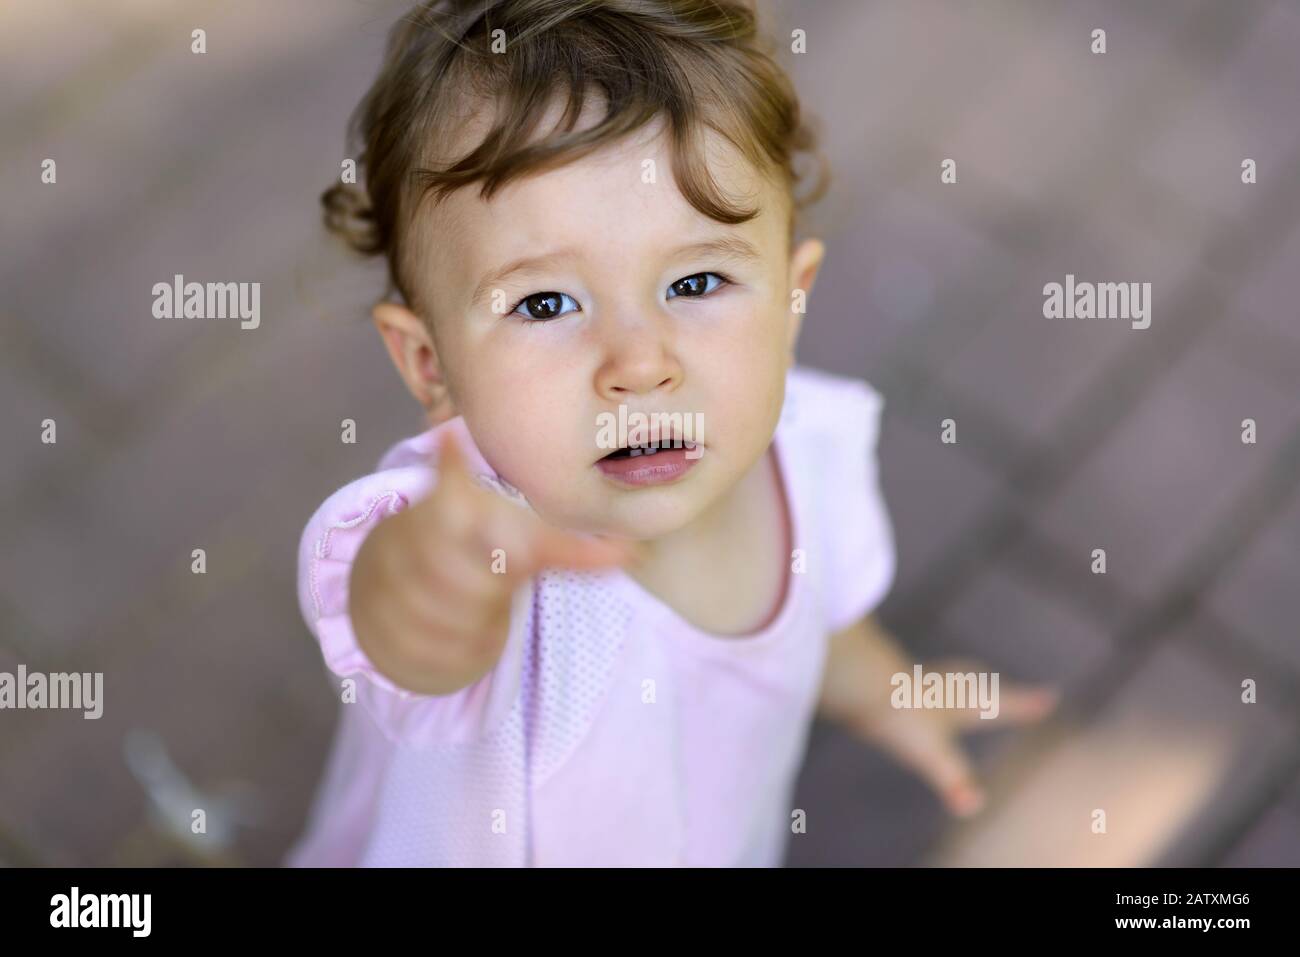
pixel 639 362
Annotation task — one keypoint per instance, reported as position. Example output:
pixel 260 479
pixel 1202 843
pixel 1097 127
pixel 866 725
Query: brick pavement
pixel 1120 167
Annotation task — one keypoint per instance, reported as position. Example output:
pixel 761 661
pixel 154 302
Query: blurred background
pixel 1072 434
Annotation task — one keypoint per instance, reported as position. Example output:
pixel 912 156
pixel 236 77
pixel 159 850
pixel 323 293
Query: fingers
pixel 927 741
pixel 447 509
pixel 1018 705
pixel 928 748
pixel 1012 704
pixel 452 467
pixel 528 546
pixel 557 548
pixel 516 542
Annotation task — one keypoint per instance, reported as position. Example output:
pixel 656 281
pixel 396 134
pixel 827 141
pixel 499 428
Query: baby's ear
pixel 415 356
pixel 805 262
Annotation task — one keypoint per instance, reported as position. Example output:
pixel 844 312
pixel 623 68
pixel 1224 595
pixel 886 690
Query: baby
pixel 562 642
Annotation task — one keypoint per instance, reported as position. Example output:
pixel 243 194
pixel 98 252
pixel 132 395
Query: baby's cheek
pixel 754 342
pixel 530 464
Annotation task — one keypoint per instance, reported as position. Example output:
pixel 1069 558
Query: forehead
pixel 619 202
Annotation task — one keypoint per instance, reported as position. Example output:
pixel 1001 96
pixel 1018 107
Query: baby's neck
pixel 710 538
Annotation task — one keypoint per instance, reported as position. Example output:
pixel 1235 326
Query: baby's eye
pixel 696 285
pixel 542 305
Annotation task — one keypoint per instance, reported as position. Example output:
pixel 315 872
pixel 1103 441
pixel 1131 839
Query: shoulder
pixel 825 404
pixel 836 421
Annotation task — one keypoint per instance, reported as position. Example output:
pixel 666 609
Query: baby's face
pixel 601 317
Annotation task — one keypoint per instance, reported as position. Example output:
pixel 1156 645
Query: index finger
pixel 454 497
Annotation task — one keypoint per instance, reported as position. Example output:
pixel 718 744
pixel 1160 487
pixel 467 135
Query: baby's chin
pixel 638 515
pixel 649 522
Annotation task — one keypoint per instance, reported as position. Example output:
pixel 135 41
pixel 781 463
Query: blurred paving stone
pixel 1257 595
pixel 1268 297
pixel 147 88
pixel 16 724
pixel 1169 760
pixel 884 281
pixel 1055 112
pixel 1244 109
pixel 278 748
pixel 1154 490
pixel 210 677
pixel 60 564
pixel 1067 577
pixel 1024 633
pixel 275 742
pixel 138 517
pixel 862 808
pixel 1273 842
pixel 284 763
pixel 279 751
pixel 1257 348
pixel 874 46
pixel 934 494
pixel 67 792
pixel 238 440
pixel 40 47
pixel 212 216
pixel 15 854
pixel 1030 371
pixel 28 398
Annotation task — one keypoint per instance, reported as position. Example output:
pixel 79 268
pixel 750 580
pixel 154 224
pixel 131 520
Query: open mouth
pixel 648 448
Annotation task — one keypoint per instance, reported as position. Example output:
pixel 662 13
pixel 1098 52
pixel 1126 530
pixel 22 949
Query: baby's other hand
pixel 926 739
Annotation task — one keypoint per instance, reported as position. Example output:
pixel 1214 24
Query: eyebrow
pixel 732 248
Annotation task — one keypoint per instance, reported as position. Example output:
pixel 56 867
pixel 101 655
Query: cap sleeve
pixel 329 543
pixel 860 539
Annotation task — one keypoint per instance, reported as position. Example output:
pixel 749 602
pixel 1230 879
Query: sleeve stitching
pixel 321 549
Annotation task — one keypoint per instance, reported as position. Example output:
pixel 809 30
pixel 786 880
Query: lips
pixel 648 449
pixel 660 467
pixel 641 445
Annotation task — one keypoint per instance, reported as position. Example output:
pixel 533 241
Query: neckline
pixel 698 637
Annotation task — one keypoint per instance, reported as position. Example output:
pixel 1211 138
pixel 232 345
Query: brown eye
pixel 542 305
pixel 697 285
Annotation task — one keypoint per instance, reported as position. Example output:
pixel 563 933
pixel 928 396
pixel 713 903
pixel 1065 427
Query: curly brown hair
pixel 696 63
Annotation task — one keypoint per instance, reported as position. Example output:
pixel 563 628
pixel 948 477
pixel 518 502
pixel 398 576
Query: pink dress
pixel 611 731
